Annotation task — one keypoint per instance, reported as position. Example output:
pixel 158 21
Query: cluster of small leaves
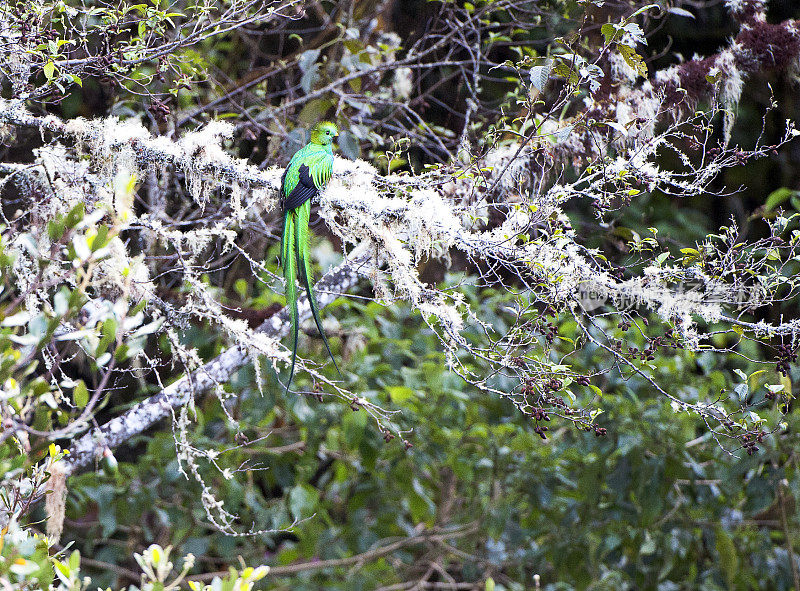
pixel 60 322
pixel 53 47
pixel 625 36
pixel 26 563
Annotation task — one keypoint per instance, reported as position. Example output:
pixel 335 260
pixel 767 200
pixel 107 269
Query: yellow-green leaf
pixel 633 59
pixel 49 70
pixel 80 395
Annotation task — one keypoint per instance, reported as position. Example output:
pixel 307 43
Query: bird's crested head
pixel 323 133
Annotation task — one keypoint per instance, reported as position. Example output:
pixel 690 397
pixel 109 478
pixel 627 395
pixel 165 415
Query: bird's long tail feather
pixel 295 261
pixel 304 268
pixel 289 263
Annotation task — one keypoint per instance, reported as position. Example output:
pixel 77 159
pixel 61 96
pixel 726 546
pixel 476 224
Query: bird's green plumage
pixel 319 160
pixel 317 156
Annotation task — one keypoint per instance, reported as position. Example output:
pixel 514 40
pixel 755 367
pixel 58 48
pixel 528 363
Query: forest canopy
pixel 556 261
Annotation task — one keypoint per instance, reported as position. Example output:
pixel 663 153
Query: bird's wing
pixel 322 169
pixel 302 192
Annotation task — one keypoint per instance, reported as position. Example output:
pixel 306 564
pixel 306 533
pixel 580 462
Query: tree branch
pixel 433 535
pixel 218 370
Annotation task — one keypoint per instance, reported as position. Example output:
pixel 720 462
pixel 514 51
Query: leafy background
pixel 480 500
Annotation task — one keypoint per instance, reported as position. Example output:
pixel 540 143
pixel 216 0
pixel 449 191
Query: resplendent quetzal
pixel 307 174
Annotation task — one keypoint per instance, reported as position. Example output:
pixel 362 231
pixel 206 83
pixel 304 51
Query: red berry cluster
pixel 550 331
pixel 749 441
pixel 598 431
pixel 159 109
pixel 556 401
pixel 547 327
pixel 540 414
pixel 786 356
pixel 529 388
pixel 552 385
pixel 653 344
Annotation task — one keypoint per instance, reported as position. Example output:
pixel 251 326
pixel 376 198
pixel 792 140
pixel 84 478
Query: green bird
pixel 308 172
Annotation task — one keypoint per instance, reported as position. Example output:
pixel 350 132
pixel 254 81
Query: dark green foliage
pixel 637 509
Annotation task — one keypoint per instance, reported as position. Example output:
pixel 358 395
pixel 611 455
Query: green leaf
pixel 49 70
pixel 419 502
pixel 55 229
pixel 400 394
pixel 240 287
pixel 315 111
pixel 540 75
pixel 303 499
pixel 609 31
pixel 349 145
pixel 308 60
pixel 633 59
pixel 353 45
pixel 62 570
pixel 728 558
pixel 109 463
pixel 680 12
pixel 80 395
pixel 140 305
pixel 121 353
pixel 397 163
pixel 100 239
pixel 310 78
pixel 355 84
pixel 75 215
pixel 109 333
pixel 648 547
pixel 777 197
pixel 565 70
